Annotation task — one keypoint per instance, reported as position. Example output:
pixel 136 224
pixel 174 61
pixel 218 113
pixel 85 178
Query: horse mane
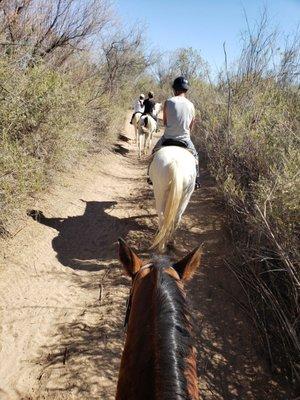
pixel 172 338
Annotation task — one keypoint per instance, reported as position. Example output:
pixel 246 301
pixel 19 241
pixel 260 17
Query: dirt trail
pixel 63 293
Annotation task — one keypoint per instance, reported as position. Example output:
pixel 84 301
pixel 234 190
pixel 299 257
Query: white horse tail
pixel 172 206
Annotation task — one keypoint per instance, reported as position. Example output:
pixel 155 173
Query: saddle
pixel 146 121
pixel 174 142
pixel 144 127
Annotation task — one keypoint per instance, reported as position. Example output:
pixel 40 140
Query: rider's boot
pixel 197 182
pixel 148 177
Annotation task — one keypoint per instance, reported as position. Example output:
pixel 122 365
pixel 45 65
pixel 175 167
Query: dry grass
pixel 55 100
pixel 248 127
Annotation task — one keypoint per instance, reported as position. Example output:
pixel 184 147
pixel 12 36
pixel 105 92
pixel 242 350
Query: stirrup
pixel 197 183
pixel 149 181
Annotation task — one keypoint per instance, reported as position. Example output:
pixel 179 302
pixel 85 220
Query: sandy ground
pixel 63 292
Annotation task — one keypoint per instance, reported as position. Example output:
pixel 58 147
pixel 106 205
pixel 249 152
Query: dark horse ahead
pixel 159 359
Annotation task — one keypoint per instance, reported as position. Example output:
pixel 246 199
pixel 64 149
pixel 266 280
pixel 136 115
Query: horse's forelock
pixel 162 261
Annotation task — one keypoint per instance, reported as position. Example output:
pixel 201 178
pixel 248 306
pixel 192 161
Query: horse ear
pixel 131 262
pixel 188 265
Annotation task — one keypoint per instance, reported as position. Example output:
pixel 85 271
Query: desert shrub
pixel 42 117
pixel 64 90
pixel 248 127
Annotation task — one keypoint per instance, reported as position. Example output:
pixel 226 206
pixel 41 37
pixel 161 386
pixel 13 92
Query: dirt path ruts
pixel 63 293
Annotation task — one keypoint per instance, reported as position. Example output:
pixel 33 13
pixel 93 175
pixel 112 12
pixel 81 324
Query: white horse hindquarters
pixel 173 173
pixel 145 131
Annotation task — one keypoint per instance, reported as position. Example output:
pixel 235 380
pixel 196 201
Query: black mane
pixel 173 342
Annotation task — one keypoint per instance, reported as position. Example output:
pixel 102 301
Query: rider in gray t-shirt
pixel 179 116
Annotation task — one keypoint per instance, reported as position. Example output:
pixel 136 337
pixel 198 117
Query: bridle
pixel 129 300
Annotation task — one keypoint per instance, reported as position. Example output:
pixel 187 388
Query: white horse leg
pixel 136 134
pixel 135 122
pixel 141 144
pixel 146 142
pixel 152 129
pixel 150 139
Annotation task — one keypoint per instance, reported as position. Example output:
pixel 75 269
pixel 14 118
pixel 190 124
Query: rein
pixel 129 300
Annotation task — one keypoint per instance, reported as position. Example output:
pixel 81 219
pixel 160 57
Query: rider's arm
pixel 192 124
pixel 165 114
pixel 193 120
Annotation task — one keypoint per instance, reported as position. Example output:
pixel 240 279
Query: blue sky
pixel 204 24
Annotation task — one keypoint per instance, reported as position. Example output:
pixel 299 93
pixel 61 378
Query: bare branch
pixel 229 92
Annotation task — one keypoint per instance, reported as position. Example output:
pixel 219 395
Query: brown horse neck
pixel 175 356
pixel 158 361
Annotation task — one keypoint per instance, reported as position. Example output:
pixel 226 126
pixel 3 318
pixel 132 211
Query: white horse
pixel 146 127
pixel 135 123
pixel 173 173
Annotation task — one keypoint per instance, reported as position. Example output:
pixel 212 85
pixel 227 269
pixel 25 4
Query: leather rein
pixel 129 300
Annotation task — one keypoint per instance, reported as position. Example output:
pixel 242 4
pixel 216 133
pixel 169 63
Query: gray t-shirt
pixel 180 113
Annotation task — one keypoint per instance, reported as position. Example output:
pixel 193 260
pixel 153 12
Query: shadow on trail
pixel 84 360
pixel 85 242
pixel 119 149
pixel 123 138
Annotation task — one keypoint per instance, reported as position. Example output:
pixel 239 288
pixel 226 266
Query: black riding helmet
pixel 180 83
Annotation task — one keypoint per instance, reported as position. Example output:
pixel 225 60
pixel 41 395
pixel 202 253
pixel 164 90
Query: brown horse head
pixel 159 359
